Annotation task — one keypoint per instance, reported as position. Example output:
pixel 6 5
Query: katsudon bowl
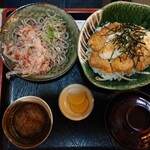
pixel 120 12
pixel 39 42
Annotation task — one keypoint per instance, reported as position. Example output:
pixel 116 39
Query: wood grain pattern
pixel 1 77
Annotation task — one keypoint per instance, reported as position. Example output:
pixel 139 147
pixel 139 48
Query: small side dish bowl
pixel 126 13
pixel 76 102
pixel 128 119
pixel 27 122
pixel 39 42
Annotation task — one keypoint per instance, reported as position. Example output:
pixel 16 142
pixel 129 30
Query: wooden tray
pixel 88 134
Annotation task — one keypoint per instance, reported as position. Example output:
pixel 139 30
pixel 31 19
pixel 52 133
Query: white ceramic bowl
pixel 81 109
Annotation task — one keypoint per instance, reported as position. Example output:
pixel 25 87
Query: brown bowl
pixel 27 122
pixel 128 119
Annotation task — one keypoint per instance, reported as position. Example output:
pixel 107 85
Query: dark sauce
pixel 31 121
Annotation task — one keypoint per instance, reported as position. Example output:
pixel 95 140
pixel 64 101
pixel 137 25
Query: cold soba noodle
pixel 38 45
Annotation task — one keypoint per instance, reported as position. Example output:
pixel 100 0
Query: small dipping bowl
pixel 128 119
pixel 76 102
pixel 27 122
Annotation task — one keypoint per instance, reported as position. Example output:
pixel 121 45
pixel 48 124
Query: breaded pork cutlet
pixel 120 48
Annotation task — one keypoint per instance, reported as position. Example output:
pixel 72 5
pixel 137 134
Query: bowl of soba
pixel 113 46
pixel 39 42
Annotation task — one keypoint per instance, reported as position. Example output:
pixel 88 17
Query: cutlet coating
pixel 108 57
